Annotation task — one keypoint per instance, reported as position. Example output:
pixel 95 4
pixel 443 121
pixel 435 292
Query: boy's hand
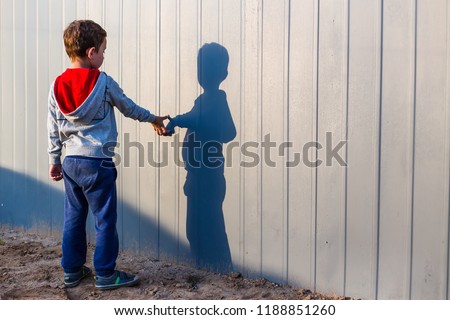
pixel 159 127
pixel 170 127
pixel 55 172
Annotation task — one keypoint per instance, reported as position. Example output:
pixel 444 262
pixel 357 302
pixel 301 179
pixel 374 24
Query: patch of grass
pixel 2 242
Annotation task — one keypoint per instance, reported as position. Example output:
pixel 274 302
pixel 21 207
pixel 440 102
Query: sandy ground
pixel 30 269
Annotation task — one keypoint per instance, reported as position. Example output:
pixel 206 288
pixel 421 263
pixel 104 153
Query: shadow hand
pixel 170 127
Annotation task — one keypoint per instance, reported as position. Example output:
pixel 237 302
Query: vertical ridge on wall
pixel 141 154
pixel 315 136
pixel 241 136
pixel 43 83
pixel 286 139
pixel 345 102
pixel 31 107
pixel 413 135
pixel 380 123
pixel 25 87
pixel 14 84
pixel 103 11
pixel 15 99
pixel 447 145
pixel 177 111
pixel 158 108
pixel 120 80
pixel 260 128
pixel 220 21
pixel 199 31
pixel 377 147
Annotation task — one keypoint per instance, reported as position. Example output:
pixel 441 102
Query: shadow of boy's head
pixel 212 65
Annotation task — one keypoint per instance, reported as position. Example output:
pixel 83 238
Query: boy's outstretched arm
pixel 131 110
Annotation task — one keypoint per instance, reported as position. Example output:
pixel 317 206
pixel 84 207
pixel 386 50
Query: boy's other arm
pixel 54 142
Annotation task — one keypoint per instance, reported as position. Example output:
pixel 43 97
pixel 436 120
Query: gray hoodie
pixel 91 129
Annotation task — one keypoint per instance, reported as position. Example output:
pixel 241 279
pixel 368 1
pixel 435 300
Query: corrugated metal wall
pixel 373 72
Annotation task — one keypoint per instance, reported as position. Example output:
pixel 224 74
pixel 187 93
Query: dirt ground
pixel 30 269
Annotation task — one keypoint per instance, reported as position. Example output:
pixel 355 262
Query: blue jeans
pixel 90 183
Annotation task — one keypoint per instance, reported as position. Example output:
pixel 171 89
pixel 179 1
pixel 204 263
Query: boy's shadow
pixel 209 125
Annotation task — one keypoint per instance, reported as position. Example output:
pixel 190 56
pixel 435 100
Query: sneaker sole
pixel 115 286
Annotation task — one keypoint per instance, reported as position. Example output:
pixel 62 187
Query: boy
pixel 81 118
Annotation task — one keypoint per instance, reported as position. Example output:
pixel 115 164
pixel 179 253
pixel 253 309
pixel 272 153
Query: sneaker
pixel 74 279
pixel 116 280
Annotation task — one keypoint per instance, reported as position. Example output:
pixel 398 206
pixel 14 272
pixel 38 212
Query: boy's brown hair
pixel 81 35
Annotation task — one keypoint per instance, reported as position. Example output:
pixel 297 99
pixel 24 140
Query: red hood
pixel 73 87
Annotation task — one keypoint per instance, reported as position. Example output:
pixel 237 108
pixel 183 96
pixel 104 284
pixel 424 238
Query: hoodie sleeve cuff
pixel 55 160
pixel 152 117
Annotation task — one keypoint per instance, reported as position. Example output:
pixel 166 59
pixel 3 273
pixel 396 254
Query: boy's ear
pixel 90 52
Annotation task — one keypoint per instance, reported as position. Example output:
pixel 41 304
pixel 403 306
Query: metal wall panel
pixel 251 113
pixel 169 89
pixel 302 129
pixel 396 154
pixel 430 193
pixel 372 73
pixel 7 103
pixel 189 42
pixel 43 212
pixel 273 107
pixel 129 174
pixel 364 58
pixel 231 39
pixel 331 118
pixel 148 184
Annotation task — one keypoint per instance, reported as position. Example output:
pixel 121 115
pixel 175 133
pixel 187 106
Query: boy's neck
pixel 80 63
